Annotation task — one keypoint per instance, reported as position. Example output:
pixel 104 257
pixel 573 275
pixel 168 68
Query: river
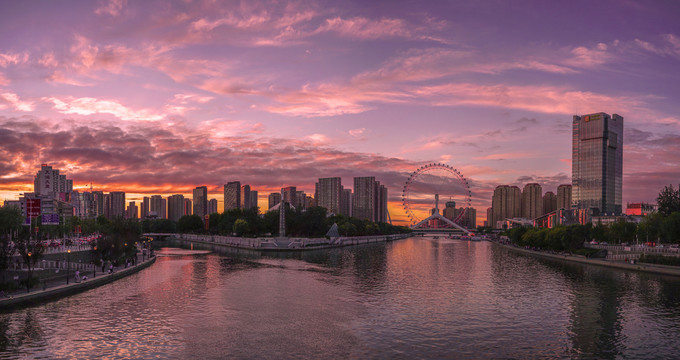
pixel 412 298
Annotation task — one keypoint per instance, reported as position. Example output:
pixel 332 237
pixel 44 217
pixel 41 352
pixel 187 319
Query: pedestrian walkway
pixel 57 286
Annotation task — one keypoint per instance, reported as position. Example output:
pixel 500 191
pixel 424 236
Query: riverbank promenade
pixel 56 288
pixel 619 264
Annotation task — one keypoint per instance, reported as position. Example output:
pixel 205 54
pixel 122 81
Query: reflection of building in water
pixel 595 317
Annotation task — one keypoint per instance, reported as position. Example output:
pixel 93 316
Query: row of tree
pixel 559 238
pixel 662 226
pixel 313 222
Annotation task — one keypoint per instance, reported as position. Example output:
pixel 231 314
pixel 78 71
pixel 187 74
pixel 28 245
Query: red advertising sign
pixel 32 207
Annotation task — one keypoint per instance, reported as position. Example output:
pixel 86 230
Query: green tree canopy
pixel 669 200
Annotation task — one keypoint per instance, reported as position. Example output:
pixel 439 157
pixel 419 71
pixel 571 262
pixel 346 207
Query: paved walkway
pixel 644 267
pixel 57 287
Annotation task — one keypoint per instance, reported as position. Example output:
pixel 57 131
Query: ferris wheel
pixel 429 183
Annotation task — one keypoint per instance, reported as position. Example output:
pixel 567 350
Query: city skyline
pixel 157 100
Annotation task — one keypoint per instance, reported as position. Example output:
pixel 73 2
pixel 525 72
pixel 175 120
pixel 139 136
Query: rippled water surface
pixel 414 298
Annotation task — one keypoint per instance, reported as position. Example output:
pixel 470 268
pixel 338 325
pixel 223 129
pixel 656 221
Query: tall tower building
pixel 132 211
pixel 300 200
pixel 146 204
pixel 212 206
pixel 564 197
pixel 328 194
pixel 506 204
pixel 345 202
pixel 201 201
pixel 157 205
pixel 532 201
pixel 274 199
pixel 188 207
pixel 364 198
pixel 290 195
pixel 549 202
pixel 49 183
pixel 370 199
pixel 245 197
pixel 232 195
pixel 597 163
pixel 116 204
pixel 253 199
pixel 98 200
pixel 175 207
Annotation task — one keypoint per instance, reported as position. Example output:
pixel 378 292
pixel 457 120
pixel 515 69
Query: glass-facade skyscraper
pixel 597 163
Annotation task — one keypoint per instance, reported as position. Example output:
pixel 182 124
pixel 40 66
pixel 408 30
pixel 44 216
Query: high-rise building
pixel 549 202
pixel 212 206
pixel 132 211
pixel 201 201
pixel 274 199
pixel 49 183
pixel 245 197
pixel 188 207
pixel 300 200
pixel 564 197
pixel 532 201
pixel 346 202
pixel 158 206
pixel 370 199
pixel 469 218
pixel 232 195
pixel 146 203
pixel 489 216
pixel 253 199
pixel 98 203
pixel 597 163
pixel 450 210
pixel 175 207
pixel 328 194
pixel 290 195
pixel 116 204
pixel 506 204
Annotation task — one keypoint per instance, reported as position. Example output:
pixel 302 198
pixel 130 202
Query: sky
pixel 158 97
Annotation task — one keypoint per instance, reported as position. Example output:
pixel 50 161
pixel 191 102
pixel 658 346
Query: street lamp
pixel 94 270
pixel 68 264
pixel 28 273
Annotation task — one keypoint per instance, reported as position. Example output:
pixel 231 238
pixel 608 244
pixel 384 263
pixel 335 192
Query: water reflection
pixel 410 298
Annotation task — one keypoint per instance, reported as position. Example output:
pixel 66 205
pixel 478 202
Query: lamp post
pixel 94 270
pixel 28 273
pixel 68 264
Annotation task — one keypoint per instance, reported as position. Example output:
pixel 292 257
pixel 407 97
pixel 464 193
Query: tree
pixel 650 228
pixel 31 251
pixel 669 200
pixel 190 224
pixel 240 227
pixel 10 224
pixel 671 228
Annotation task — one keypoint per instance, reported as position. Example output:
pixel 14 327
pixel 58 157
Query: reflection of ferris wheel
pixel 440 181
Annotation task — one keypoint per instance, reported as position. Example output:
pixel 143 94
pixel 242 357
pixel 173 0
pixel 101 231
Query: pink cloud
pixel 503 156
pixel 585 57
pixel 111 7
pixel 13 59
pixel 13 100
pixel 89 106
pixel 364 28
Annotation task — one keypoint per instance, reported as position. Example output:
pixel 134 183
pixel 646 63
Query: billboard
pixel 32 207
pixel 50 219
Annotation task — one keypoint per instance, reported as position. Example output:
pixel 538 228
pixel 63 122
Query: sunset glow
pixel 158 97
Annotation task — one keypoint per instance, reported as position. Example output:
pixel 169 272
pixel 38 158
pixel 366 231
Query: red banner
pixel 32 207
